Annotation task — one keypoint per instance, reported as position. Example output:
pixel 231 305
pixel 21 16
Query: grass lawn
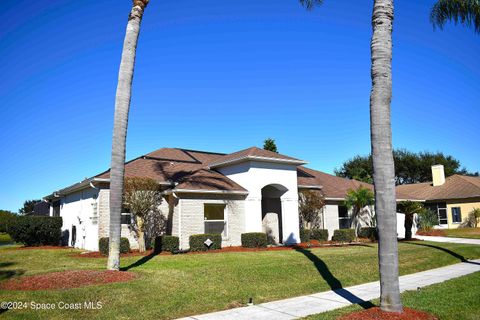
pixel 455 299
pixel 473 233
pixel 181 285
pixel 5 238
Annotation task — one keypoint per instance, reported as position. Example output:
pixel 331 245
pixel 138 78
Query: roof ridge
pixel 201 151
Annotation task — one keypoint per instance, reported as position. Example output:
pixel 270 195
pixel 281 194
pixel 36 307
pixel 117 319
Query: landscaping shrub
pixel 103 245
pixel 369 233
pixel 305 235
pixel 36 231
pixel 6 218
pixel 343 235
pixel 166 244
pixel 427 219
pixel 254 240
pixel 319 234
pixel 196 242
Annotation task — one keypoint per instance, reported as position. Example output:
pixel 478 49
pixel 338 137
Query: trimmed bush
pixel 343 235
pixel 196 242
pixel 305 235
pixel 319 234
pixel 254 240
pixel 166 244
pixel 369 233
pixel 36 231
pixel 103 245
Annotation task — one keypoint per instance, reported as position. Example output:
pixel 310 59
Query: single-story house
pixel 452 198
pixel 252 190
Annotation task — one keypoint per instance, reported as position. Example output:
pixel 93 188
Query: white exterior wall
pixel 80 209
pixel 253 176
pixel 330 215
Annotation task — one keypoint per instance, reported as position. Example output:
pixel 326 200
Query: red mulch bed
pixel 377 314
pixel 433 232
pixel 66 280
pixel 303 245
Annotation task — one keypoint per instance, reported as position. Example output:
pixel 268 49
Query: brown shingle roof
pixel 252 153
pixel 455 187
pixel 332 186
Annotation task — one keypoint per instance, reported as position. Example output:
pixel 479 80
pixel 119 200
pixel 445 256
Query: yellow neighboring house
pixel 453 198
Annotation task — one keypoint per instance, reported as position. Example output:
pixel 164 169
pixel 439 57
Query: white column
pixel 290 221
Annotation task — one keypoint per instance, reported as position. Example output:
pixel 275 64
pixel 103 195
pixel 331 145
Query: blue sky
pixel 222 76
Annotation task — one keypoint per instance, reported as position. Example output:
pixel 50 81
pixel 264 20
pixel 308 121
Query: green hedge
pixel 343 235
pixel 254 240
pixel 196 242
pixel 319 234
pixel 166 244
pixel 36 231
pixel 305 235
pixel 103 245
pixel 369 233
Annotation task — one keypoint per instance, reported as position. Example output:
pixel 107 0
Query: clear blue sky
pixel 222 76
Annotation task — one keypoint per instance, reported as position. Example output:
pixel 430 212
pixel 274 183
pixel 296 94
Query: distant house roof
pixel 185 170
pixel 455 187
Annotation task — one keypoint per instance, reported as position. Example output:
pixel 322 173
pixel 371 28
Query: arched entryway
pixel 272 212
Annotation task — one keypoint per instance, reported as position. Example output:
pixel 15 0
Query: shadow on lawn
pixel 333 282
pixel 7 274
pixel 450 252
pixel 139 262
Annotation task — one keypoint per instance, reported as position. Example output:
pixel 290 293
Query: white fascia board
pixel 206 191
pixel 256 158
pixel 309 187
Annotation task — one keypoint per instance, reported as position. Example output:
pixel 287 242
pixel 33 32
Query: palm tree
pixel 409 208
pixel 466 12
pixel 359 200
pixel 122 106
pixel 381 141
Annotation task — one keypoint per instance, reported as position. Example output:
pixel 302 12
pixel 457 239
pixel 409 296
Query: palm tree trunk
pixel 408 225
pixel 122 106
pixel 383 166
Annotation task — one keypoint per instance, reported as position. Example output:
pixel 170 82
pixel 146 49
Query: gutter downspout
pixel 179 216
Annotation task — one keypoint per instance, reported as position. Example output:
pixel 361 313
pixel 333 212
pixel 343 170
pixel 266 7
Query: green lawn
pixel 180 285
pixel 455 299
pixel 473 233
pixel 5 238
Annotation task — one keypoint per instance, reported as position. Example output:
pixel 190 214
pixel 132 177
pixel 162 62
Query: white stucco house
pixel 252 190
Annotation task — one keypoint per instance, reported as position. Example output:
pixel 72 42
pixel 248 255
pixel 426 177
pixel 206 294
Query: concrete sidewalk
pixel 449 240
pixel 303 306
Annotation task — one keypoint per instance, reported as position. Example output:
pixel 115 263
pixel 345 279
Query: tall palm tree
pixel 122 106
pixel 382 155
pixel 466 12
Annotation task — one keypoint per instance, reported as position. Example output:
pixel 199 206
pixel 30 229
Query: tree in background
pixel 269 144
pixel 410 167
pixel 120 122
pixel 409 208
pixel 359 201
pixel 466 12
pixel 6 217
pixel 142 196
pixel 28 206
pixel 310 204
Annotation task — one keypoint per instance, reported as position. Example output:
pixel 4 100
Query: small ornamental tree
pixel 28 206
pixel 359 201
pixel 310 204
pixel 409 208
pixel 142 196
pixel 270 145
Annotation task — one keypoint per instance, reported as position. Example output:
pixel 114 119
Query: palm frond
pixel 310 4
pixel 466 12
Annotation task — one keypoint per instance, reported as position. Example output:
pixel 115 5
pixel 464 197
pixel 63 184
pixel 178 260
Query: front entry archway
pixel 272 212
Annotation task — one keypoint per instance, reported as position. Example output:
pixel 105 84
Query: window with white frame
pixel 343 218
pixel 214 218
